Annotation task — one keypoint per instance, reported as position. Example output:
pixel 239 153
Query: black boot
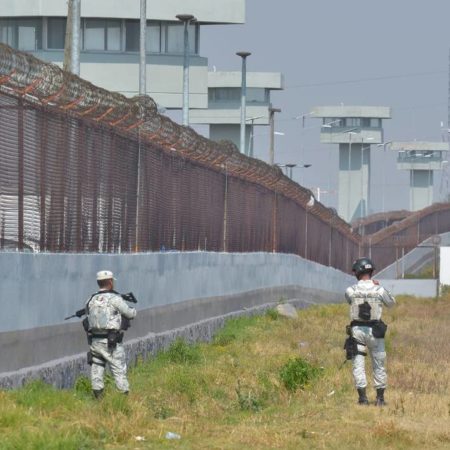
pixel 98 393
pixel 362 400
pixel 380 398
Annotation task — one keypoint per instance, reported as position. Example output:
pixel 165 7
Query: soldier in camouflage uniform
pixel 366 299
pixel 104 313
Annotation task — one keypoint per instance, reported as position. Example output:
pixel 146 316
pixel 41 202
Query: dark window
pixel 56 32
pixel 22 33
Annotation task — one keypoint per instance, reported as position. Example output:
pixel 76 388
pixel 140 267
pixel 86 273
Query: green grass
pixel 264 382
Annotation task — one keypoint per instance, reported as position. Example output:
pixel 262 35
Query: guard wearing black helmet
pixel 367 330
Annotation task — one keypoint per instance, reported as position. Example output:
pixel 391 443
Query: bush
pixel 273 314
pixel 248 400
pixel 83 386
pixel 298 373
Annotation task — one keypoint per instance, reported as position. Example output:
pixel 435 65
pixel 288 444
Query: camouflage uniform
pixel 376 296
pixel 105 310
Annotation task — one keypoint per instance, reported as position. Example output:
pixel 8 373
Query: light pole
pixel 272 112
pixel 252 134
pixel 243 56
pixel 74 33
pixel 142 49
pixel 349 168
pixel 365 205
pixel 384 145
pixel 186 19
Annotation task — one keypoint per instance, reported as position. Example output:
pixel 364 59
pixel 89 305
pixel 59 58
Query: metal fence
pixel 391 243
pixel 86 170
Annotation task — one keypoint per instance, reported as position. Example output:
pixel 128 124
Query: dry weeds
pixel 198 399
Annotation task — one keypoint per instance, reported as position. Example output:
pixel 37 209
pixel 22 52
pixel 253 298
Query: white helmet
pixel 105 275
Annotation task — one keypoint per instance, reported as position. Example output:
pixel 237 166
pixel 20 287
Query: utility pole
pixel 187 19
pixel 143 49
pixel 72 41
pixel 244 56
pixel 272 112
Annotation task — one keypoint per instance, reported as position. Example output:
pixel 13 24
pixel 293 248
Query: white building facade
pixel 224 111
pixel 110 41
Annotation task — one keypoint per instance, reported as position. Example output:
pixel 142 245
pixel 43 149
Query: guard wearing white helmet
pixel 366 299
pixel 105 311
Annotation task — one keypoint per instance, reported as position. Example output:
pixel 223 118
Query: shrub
pixel 298 373
pixel 248 399
pixel 273 314
pixel 83 386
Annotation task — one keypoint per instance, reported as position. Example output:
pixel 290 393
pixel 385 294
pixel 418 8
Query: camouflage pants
pixel 101 355
pixel 375 348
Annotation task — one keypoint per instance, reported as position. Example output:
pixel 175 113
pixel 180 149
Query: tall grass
pixel 264 382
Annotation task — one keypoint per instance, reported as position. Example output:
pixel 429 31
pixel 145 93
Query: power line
pixel 363 80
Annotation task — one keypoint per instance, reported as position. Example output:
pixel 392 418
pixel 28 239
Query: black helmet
pixel 362 266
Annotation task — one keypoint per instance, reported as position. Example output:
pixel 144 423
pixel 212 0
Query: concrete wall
pixel 119 72
pixel 416 288
pixel 444 273
pixel 230 113
pixel 354 181
pixel 209 11
pixel 173 289
pixel 421 189
pixel 414 261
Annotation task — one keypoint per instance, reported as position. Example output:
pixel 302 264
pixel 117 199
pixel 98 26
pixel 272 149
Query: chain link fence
pixel 87 170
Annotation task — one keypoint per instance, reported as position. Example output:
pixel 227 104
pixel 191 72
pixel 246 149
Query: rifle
pixel 127 297
pixel 350 346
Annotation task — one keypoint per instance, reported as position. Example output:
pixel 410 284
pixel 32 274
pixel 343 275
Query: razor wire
pixel 88 170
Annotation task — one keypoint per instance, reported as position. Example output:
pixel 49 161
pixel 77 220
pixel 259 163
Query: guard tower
pixel 354 129
pixel 421 159
pixel 224 105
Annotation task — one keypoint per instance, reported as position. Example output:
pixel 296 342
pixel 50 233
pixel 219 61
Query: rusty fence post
pixel 43 181
pixel 274 223
pixel 20 141
pixel 225 211
pixel 80 146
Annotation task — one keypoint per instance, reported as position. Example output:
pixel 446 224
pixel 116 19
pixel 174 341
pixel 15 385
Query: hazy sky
pixel 323 47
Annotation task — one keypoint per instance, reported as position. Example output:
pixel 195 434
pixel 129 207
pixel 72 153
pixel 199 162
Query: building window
pixel 132 35
pixel 333 122
pixel 94 34
pixel 23 33
pixel 224 94
pixel 7 32
pixel 113 35
pixel 56 32
pixel 257 95
pixel 175 38
pixel 353 122
pixel 102 34
pixel 375 123
pixel 153 36
pixel 160 37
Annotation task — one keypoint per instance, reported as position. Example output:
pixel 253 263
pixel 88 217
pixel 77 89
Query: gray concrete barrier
pixel 416 288
pixel 174 290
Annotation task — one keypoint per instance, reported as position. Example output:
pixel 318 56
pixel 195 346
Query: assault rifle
pixel 127 297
